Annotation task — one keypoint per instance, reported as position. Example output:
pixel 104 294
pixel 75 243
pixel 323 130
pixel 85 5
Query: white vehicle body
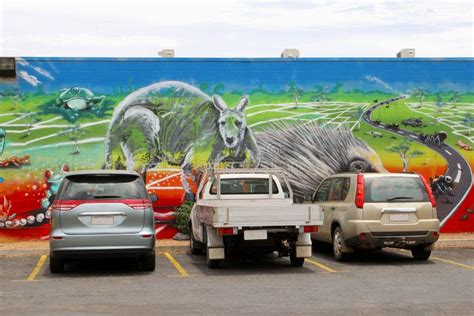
pixel 263 217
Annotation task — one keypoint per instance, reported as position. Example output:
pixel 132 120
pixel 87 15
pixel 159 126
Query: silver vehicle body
pixel 102 227
pixel 271 214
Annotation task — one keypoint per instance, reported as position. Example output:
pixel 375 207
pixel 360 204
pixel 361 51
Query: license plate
pixel 102 220
pixel 255 234
pixel 399 217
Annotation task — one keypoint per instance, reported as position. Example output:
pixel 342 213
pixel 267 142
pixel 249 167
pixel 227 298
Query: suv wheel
pixel 148 262
pixel 338 244
pixel 419 253
pixel 55 265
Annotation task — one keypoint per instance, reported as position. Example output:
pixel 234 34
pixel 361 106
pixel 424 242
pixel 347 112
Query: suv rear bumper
pixel 75 246
pixel 392 239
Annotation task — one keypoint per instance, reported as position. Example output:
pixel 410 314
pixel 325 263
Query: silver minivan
pixel 102 213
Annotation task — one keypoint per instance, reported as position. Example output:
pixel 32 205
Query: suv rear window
pixel 395 189
pixel 244 186
pixel 102 186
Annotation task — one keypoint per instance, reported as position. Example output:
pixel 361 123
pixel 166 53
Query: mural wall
pixel 167 118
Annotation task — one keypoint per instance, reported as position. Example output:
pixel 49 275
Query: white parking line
pixel 459 166
pixel 448 152
pixel 413 136
pixel 400 132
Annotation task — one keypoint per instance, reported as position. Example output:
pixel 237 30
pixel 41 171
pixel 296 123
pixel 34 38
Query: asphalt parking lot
pixel 383 282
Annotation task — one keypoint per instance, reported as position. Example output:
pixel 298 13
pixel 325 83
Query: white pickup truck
pixel 250 210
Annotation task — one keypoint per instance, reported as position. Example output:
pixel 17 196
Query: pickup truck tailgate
pixel 261 215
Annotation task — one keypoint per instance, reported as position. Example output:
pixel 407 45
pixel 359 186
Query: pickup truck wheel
pixel 212 264
pixel 419 253
pixel 55 265
pixel 337 245
pixel 194 246
pixel 295 261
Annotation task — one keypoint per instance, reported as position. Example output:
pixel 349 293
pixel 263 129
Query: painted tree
pixel 420 94
pixel 405 151
pixel 74 133
pixel 30 118
pixel 468 119
pixel 454 99
pixel 321 96
pixel 439 102
pixel 295 91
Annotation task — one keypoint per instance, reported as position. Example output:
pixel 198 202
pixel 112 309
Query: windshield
pixel 102 186
pixel 395 189
pixel 244 186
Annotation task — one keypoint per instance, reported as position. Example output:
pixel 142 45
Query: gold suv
pixel 376 210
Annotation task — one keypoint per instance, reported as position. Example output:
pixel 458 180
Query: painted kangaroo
pixel 174 123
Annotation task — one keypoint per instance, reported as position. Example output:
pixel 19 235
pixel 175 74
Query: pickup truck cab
pixel 247 211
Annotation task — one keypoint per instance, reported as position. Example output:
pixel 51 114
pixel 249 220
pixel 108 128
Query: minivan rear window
pixel 395 189
pixel 102 186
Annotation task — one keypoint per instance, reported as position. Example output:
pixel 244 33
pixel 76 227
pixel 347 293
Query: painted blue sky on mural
pixel 107 75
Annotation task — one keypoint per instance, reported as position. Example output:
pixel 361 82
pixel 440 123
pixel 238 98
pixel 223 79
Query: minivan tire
pixel 337 245
pixel 149 262
pixel 419 253
pixel 55 265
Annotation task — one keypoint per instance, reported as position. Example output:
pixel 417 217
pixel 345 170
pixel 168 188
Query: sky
pixel 235 28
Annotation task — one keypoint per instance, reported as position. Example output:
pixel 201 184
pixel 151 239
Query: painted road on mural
pixel 458 167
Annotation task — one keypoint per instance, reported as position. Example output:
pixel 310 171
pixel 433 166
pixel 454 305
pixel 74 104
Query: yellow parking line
pixel 320 265
pixel 37 269
pixel 176 264
pixel 453 262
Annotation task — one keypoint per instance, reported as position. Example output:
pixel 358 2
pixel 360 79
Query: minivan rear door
pixel 102 204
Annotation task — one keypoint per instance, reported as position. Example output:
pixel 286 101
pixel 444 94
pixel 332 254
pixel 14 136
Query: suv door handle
pixel 332 208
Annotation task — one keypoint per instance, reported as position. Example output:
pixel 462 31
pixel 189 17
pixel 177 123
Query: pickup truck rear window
pixel 244 186
pixel 102 186
pixel 395 189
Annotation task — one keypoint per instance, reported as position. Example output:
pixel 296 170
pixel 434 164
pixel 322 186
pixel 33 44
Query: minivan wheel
pixel 338 244
pixel 419 253
pixel 149 262
pixel 55 265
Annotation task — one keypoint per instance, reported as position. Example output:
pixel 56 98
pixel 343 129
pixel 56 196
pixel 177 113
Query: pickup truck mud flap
pixel 215 244
pixel 303 246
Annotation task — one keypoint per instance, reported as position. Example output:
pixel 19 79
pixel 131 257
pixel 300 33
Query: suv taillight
pixel 428 189
pixel 359 200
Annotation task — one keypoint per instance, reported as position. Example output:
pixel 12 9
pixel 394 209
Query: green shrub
pixel 183 216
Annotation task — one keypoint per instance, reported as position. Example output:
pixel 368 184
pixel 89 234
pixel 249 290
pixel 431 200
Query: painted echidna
pixel 309 152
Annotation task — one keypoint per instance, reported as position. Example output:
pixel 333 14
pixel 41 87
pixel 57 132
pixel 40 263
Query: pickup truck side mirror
pixel 153 197
pixel 308 197
pixel 51 198
pixel 190 197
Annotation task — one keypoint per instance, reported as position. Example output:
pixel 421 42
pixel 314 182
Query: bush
pixel 183 216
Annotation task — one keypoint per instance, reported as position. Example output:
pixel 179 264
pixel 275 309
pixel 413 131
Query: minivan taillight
pixel 428 189
pixel 137 204
pixel 59 205
pixel 359 200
